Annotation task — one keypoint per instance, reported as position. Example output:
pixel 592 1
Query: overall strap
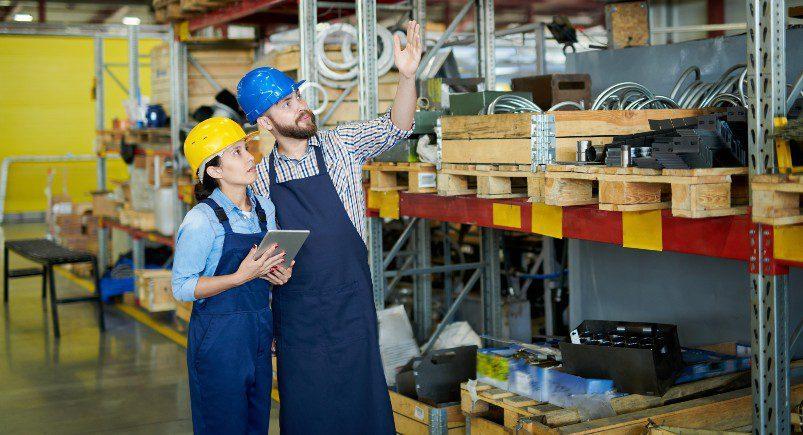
pixel 220 213
pixel 263 218
pixel 319 157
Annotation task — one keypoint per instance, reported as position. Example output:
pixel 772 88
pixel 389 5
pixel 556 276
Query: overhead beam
pixel 106 2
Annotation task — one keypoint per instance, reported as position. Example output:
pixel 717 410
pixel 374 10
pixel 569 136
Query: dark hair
pixel 205 188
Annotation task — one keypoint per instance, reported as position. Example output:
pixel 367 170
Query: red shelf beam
pixel 722 237
pixel 137 233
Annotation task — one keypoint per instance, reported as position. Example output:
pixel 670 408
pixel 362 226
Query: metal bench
pixel 49 254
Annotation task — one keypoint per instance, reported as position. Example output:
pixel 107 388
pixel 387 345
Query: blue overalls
pixel 329 369
pixel 229 348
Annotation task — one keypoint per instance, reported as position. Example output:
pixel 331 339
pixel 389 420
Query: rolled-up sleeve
pixel 371 138
pixel 193 244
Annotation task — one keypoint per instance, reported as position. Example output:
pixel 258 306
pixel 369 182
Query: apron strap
pixel 263 218
pixel 220 213
pixel 318 158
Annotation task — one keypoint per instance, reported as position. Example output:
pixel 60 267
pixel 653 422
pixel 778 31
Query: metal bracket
pixel 439 135
pixel 438 423
pixel 542 140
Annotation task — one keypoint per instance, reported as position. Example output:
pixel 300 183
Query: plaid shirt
pixel 345 150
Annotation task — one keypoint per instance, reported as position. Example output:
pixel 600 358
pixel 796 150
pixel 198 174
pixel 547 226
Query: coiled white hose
pixel 341 75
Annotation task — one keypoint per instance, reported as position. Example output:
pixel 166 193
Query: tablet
pixel 289 241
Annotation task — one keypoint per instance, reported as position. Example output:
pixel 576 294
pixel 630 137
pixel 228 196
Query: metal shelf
pixel 723 237
pixel 137 233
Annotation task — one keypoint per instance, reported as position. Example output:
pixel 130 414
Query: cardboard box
pixel 104 205
pixel 548 90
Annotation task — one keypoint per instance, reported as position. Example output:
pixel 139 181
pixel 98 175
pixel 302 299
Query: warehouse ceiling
pixel 86 11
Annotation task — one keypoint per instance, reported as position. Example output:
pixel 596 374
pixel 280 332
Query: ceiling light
pixel 23 17
pixel 131 21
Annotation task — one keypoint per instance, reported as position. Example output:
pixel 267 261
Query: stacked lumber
pixel 227 64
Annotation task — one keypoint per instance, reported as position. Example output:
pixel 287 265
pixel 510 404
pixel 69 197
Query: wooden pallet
pixel 410 177
pixel 507 138
pixel 690 193
pixel 489 181
pixel 109 140
pixel 501 412
pixel 777 199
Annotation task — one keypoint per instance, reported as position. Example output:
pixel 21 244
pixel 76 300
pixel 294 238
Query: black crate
pixel 632 367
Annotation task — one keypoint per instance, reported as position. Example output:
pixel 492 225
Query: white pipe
pixel 8 161
pixel 700 28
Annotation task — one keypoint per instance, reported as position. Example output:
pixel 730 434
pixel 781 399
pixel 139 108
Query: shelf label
pixel 642 230
pixel 547 220
pixel 788 243
pixel 389 207
pixel 507 215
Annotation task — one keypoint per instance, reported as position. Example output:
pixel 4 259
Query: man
pixel 329 369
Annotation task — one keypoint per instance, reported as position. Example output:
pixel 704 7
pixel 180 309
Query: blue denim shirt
pixel 199 243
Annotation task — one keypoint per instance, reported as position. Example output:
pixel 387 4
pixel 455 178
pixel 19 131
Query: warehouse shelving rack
pixel 770 251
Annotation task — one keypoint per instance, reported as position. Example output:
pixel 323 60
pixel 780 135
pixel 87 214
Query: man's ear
pixel 264 123
pixel 214 172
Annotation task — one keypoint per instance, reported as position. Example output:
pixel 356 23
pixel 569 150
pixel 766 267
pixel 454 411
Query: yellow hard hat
pixel 208 139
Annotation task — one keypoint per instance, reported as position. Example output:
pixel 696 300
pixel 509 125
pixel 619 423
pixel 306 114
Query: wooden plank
pixel 501 126
pixel 614 122
pixel 774 204
pixel 496 394
pixel 705 171
pixel 469 407
pixel 482 426
pixel 721 411
pixel 520 401
pixel 621 192
pixel 486 151
pixel 568 192
pixel 636 207
pixel 698 214
pixel 701 197
pixel 567 123
pixel 476 173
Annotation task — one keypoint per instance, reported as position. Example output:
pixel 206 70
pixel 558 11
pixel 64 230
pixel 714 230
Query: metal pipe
pixel 133 67
pixel 340 98
pixel 82 30
pixel 795 94
pixel 452 310
pixel 399 243
pixel 434 269
pixel 380 7
pixel 699 28
pixel 8 161
pixel 388 291
pixel 116 80
pixel 446 34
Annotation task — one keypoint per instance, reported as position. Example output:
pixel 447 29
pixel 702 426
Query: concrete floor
pixel 128 380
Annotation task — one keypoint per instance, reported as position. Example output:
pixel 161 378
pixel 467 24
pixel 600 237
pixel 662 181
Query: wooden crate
pixel 490 181
pixel 500 412
pixel 155 290
pixel 690 193
pixel 777 199
pixel 226 64
pixel 104 205
pixel 409 177
pixel 416 418
pixel 514 138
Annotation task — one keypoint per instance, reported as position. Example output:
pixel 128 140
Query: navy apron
pixel 229 348
pixel 329 369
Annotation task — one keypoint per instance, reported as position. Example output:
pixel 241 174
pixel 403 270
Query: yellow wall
pixel 46 108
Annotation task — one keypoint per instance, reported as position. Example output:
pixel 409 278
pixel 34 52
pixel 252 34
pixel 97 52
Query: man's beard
pixel 295 131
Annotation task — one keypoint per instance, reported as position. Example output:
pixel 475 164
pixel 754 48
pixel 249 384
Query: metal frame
pixel 766 91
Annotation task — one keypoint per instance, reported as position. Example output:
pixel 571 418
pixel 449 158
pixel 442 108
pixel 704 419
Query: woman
pixel 216 266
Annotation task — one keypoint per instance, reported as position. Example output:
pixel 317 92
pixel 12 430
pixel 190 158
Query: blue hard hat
pixel 261 88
